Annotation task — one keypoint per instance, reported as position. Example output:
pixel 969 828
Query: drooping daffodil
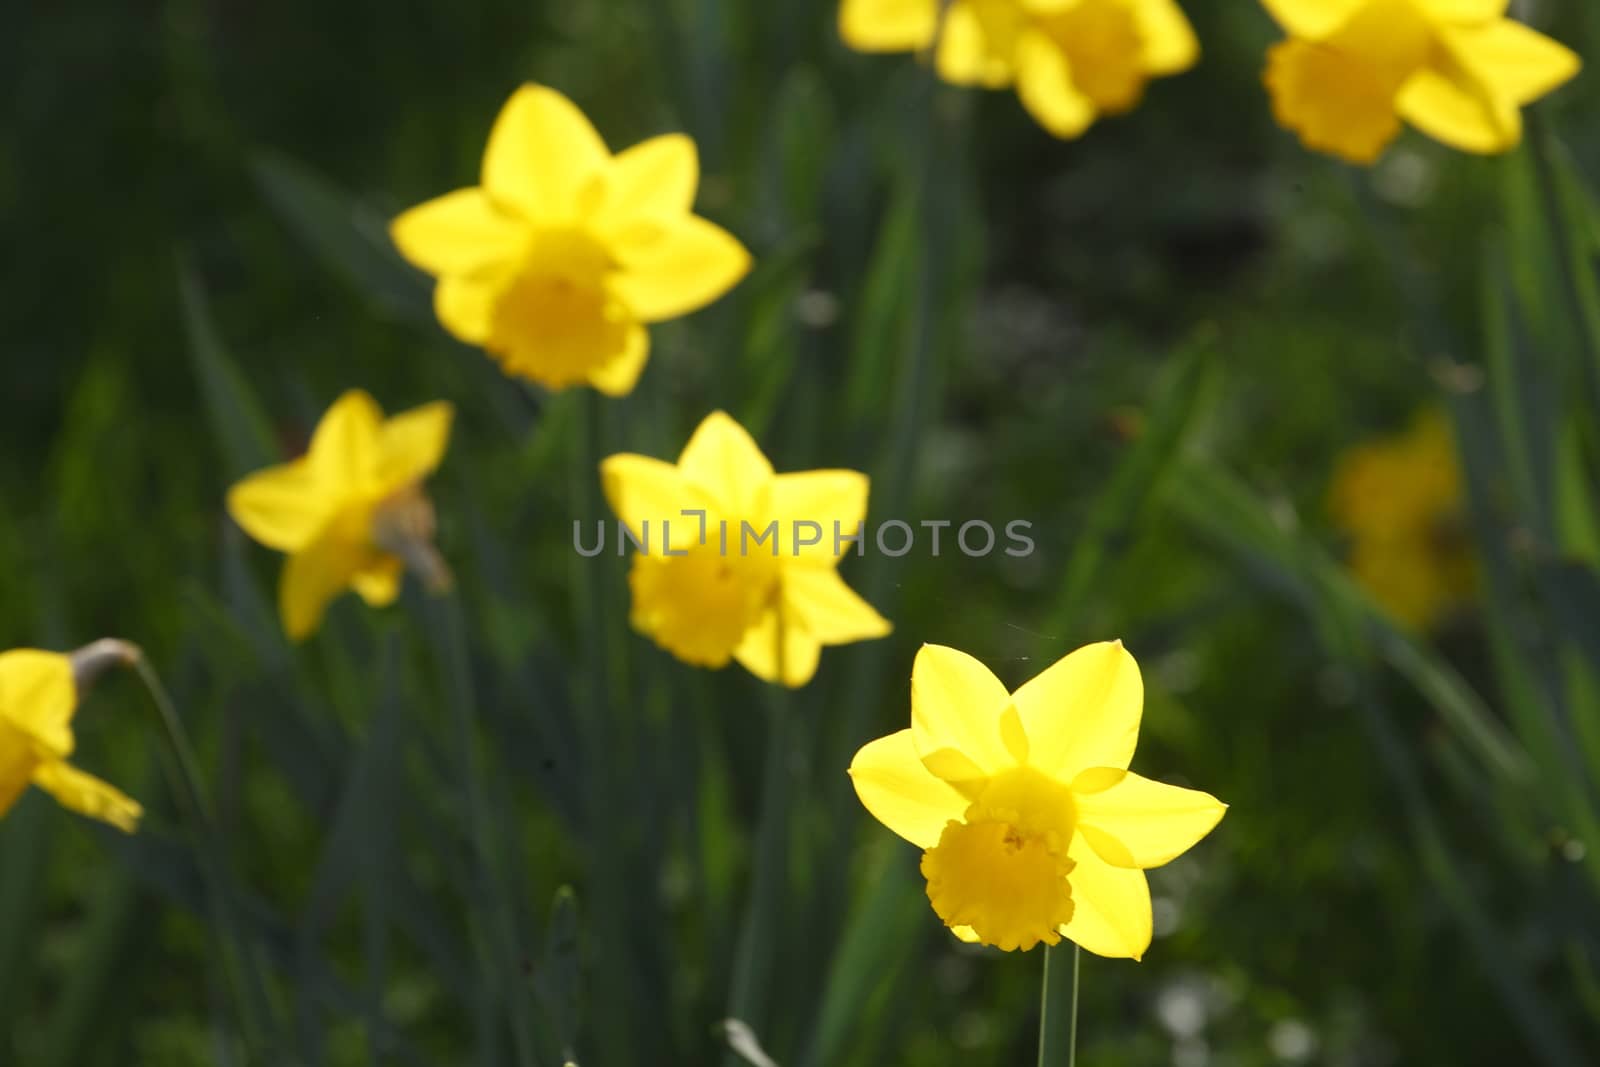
pixel 1071 61
pixel 736 562
pixel 1033 828
pixel 351 513
pixel 38 698
pixel 1458 70
pixel 556 262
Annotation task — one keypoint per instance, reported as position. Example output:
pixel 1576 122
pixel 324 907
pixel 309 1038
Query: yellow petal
pixel 378 584
pixel 1464 10
pixel 38 697
pixel 684 265
pixel 888 25
pixel 88 795
pixel 1312 19
pixel 1512 60
pixel 1459 114
pixel 1170 44
pixel 1111 913
pixel 649 496
pixel 618 375
pixel 828 608
pixel 825 497
pixel 966 933
pixel 465 306
pixel 1132 821
pixel 345 449
pixel 656 178
pixel 1083 711
pixel 1044 83
pixel 312 578
pixel 956 704
pixel 543 155
pixel 284 507
pixel 723 461
pixel 18 761
pixel 413 443
pixel 978 50
pixel 458 233
pixel 759 654
pixel 900 793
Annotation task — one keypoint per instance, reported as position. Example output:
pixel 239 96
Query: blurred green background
pixel 1153 343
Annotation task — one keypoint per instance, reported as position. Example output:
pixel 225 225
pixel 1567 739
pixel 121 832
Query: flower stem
pixel 495 936
pixel 1058 1007
pixel 207 842
pixel 749 999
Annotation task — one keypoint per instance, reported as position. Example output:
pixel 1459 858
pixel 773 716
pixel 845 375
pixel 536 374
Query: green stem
pixel 1058 1007
pixel 497 948
pixel 750 996
pixel 598 605
pixel 206 841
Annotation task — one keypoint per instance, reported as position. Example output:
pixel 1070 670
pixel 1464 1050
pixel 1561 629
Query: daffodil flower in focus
pixel 38 697
pixel 1070 61
pixel 557 261
pixel 351 513
pixel 1400 502
pixel 1458 70
pixel 1032 826
pixel 741 578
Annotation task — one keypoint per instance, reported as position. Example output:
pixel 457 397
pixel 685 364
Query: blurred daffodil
pixel 1070 61
pixel 751 573
pixel 38 697
pixel 556 262
pixel 1032 826
pixel 1399 501
pixel 351 513
pixel 1458 70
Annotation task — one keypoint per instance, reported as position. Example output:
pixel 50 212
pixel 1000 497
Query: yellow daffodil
pixel 351 513
pixel 1070 60
pixel 38 697
pixel 556 262
pixel 1399 501
pixel 751 572
pixel 1458 70
pixel 1032 826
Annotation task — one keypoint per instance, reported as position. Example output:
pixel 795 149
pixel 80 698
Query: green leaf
pixel 884 304
pixel 875 945
pixel 560 983
pixel 27 844
pixel 1214 502
pixel 350 238
pixel 241 429
pixel 1180 398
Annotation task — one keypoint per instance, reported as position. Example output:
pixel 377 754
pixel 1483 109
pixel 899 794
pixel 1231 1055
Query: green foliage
pixel 502 829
